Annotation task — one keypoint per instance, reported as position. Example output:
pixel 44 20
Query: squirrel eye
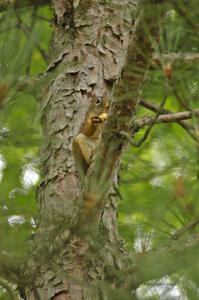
pixel 99 100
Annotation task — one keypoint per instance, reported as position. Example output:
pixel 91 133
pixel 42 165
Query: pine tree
pixel 120 222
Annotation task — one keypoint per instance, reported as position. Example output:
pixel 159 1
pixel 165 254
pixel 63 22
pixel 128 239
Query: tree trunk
pixel 77 252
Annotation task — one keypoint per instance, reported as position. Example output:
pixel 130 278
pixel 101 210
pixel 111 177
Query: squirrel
pixel 84 143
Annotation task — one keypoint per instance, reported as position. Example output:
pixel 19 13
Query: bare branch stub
pixel 168 116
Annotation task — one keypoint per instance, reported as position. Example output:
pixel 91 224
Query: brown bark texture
pixel 96 51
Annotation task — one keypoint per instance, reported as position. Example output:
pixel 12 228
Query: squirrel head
pixel 98 109
pixel 96 115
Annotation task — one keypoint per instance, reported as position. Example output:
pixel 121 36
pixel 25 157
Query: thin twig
pixel 148 130
pixel 176 94
pixel 43 18
pixel 183 12
pixel 151 106
pixel 168 118
pixel 33 18
pixel 26 30
pixel 187 227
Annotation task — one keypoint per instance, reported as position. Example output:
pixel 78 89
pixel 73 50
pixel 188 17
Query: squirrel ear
pixel 98 100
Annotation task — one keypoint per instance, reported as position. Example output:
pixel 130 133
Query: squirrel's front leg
pixel 83 148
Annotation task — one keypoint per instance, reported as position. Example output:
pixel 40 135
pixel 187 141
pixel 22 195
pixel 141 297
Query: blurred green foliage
pixel 19 132
pixel 160 180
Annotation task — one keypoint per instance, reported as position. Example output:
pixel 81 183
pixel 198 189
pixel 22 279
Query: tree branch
pixel 188 58
pixel 153 107
pixel 166 118
pixel 186 228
